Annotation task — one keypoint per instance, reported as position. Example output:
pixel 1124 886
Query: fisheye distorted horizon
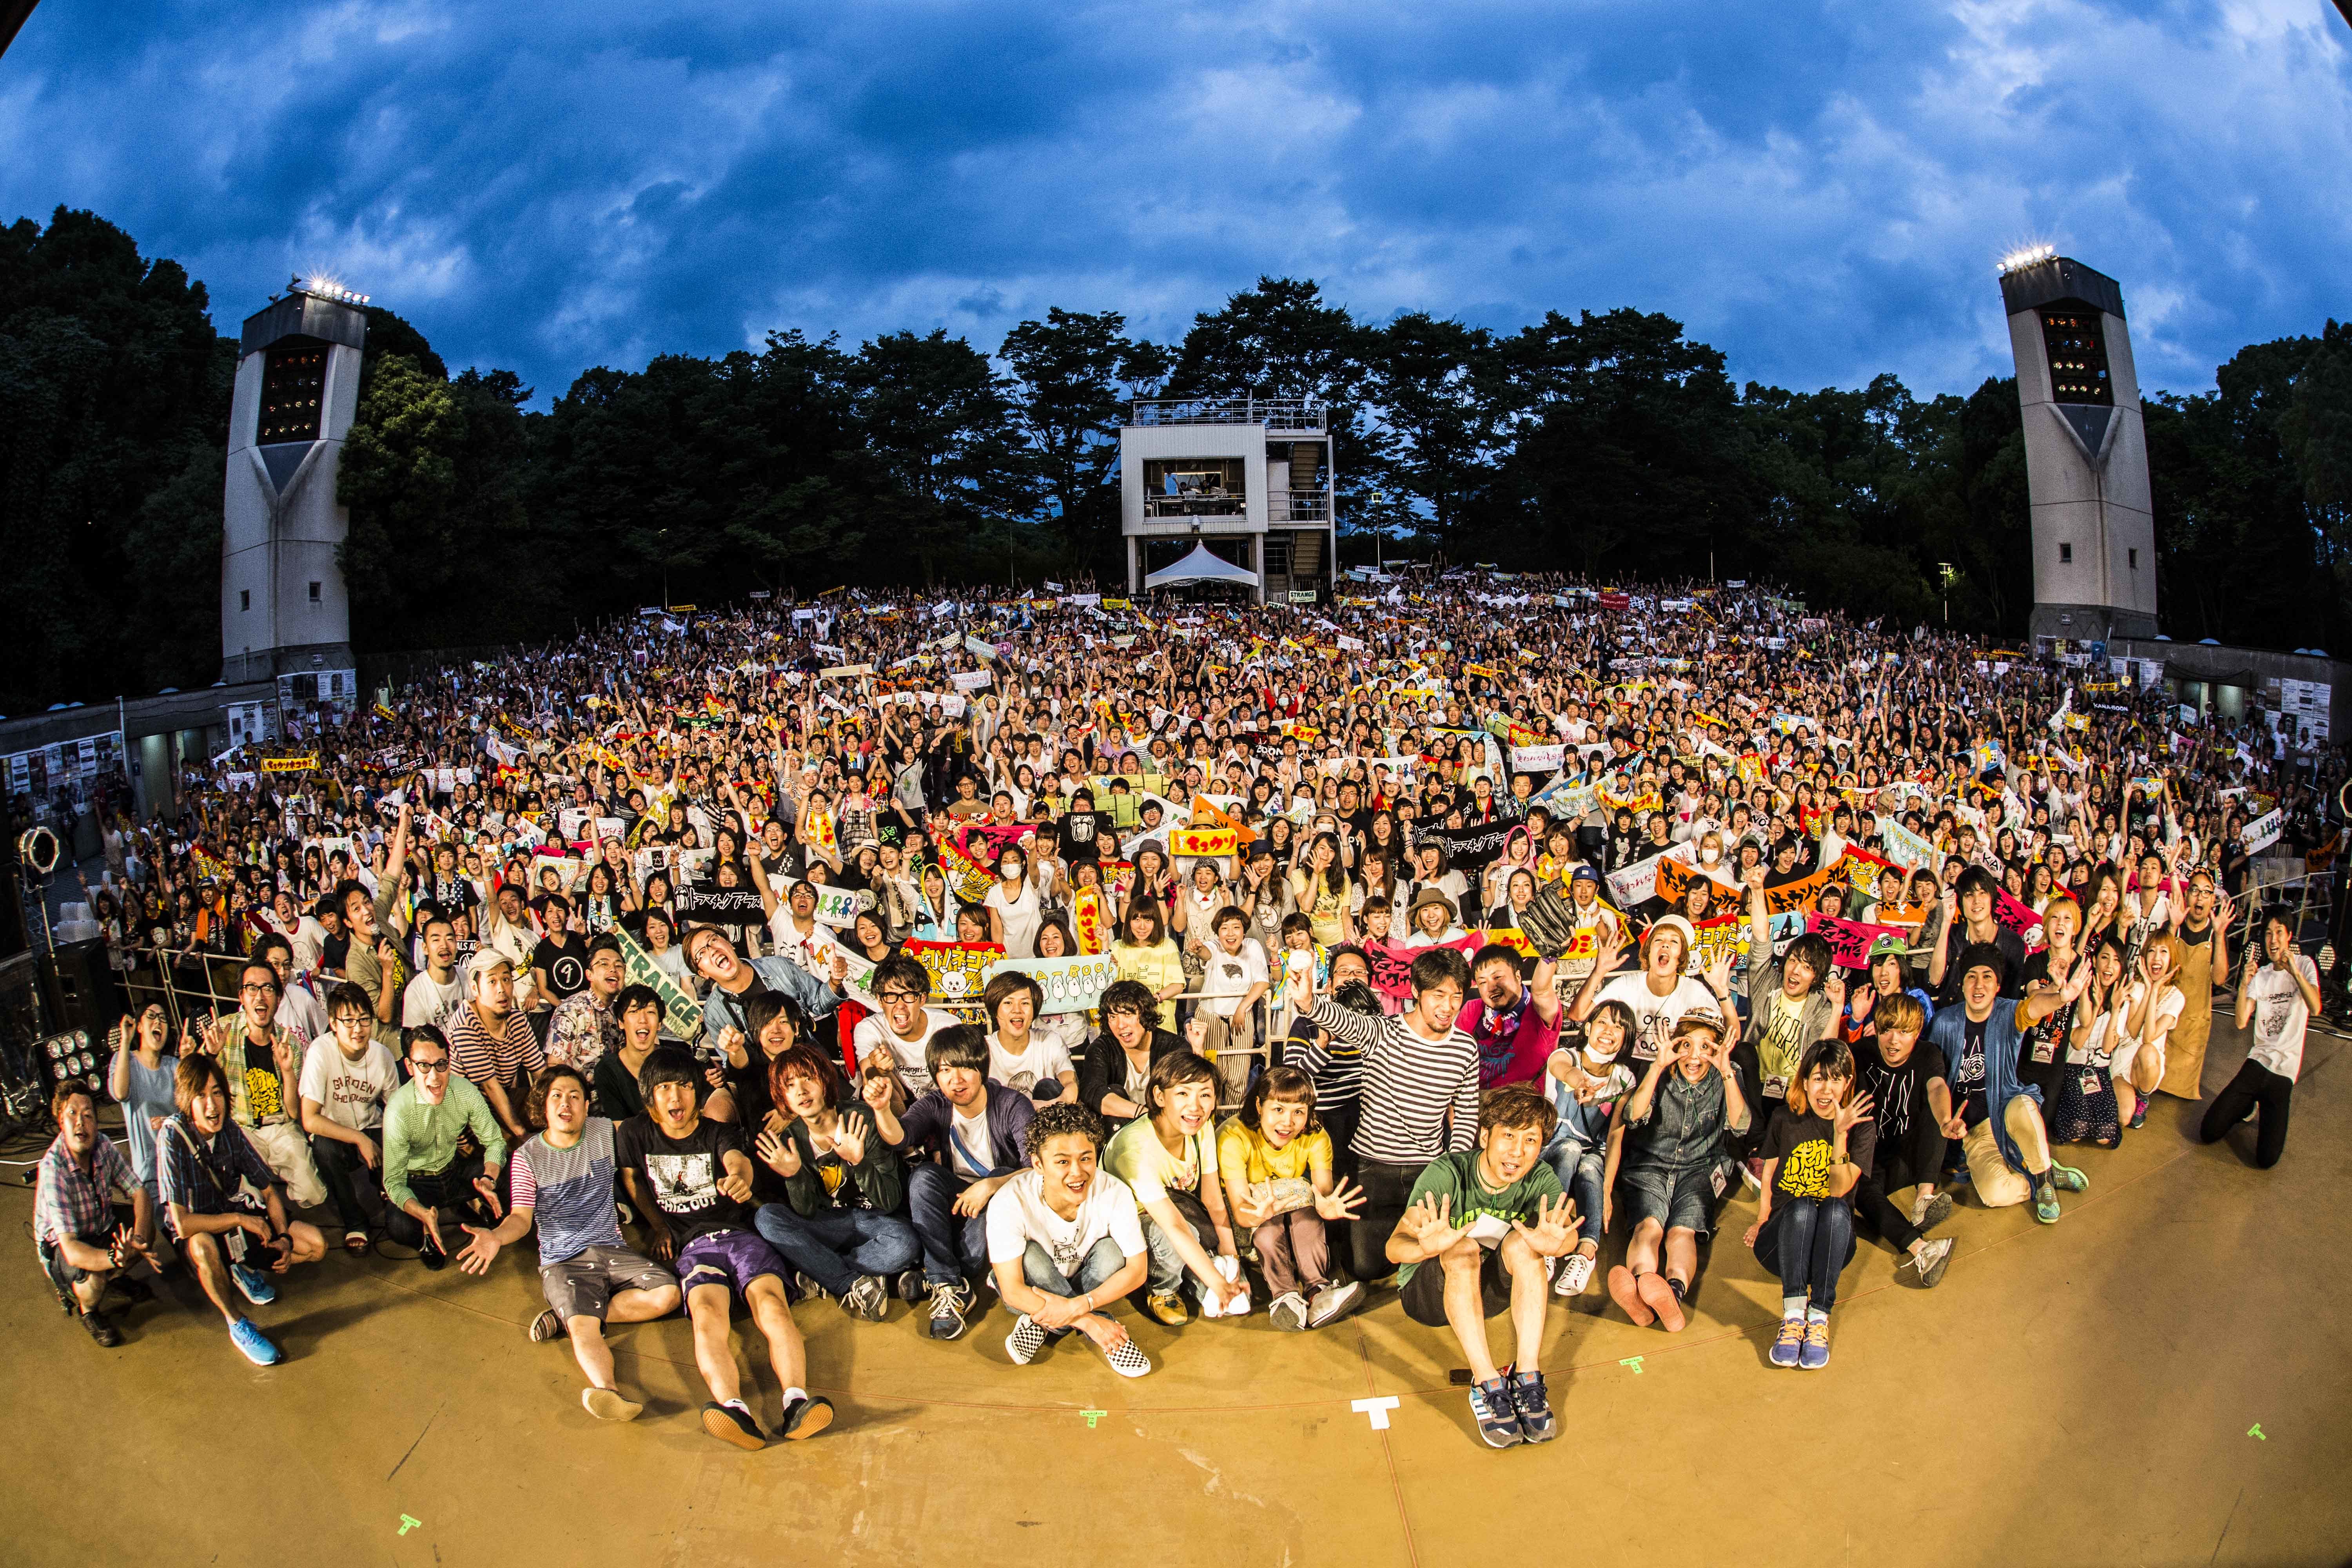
pixel 1821 191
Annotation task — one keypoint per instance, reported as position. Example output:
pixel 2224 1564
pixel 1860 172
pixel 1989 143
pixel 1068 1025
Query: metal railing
pixel 1274 413
pixel 1195 506
pixel 1298 506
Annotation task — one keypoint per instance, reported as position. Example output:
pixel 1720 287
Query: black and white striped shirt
pixel 1409 1084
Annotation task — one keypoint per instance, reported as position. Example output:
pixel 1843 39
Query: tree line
pixel 1605 443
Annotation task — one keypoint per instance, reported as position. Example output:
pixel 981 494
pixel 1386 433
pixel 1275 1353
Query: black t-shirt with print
pixel 565 964
pixel 1967 1076
pixel 2041 1049
pixel 1805 1145
pixel 1081 833
pixel 681 1175
pixel 1897 1094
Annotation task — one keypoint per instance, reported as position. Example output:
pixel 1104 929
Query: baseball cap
pixel 1583 873
pixel 1886 947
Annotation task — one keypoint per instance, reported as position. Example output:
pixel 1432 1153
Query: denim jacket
pixel 1947 1032
pixel 1685 1131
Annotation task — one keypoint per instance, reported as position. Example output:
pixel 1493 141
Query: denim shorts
pixel 1687 1201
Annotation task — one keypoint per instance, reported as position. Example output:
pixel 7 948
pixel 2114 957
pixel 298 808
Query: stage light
pixel 2024 256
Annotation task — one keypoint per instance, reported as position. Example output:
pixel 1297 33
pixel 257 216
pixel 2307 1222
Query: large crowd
pixel 1092 960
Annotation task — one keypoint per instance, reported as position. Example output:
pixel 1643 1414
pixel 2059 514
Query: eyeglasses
pixel 900 996
pixel 440 1065
pixel 352 1020
pixel 262 990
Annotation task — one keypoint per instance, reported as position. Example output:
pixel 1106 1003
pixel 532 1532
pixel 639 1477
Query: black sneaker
pixel 729 1425
pixel 805 1417
pixel 1496 1409
pixel 868 1298
pixel 101 1331
pixel 1536 1419
pixel 135 1291
pixel 911 1286
pixel 948 1305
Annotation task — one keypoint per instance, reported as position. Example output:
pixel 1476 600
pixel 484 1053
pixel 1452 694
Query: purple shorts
pixel 730 1258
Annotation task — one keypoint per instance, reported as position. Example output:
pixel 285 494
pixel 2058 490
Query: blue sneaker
pixel 1537 1421
pixel 2067 1179
pixel 1790 1342
pixel 257 1348
pixel 1496 1412
pixel 253 1284
pixel 1816 1353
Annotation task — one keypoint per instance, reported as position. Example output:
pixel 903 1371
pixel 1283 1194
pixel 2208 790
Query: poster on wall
pixel 2306 703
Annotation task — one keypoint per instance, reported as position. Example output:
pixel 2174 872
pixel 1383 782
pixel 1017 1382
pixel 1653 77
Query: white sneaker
pixel 1575 1274
pixel 1288 1311
pixel 1124 1358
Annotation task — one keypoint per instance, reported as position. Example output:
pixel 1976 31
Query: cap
pixel 1887 947
pixel 1672 923
pixel 1584 872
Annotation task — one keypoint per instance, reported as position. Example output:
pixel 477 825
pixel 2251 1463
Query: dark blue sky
pixel 1818 187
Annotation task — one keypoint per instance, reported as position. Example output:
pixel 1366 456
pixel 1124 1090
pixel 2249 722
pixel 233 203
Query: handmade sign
pixel 1850 940
pixel 681 1014
pixel 969 681
pixel 1071 985
pixel 1634 884
pixel 836 907
pixel 1724 933
pixel 302 764
pixel 1674 876
pixel 958 968
pixel 1089 920
pixel 1537 759
pixel 2263 832
pixel 1197 843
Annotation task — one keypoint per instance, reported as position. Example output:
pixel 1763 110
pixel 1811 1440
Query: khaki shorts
pixel 583 1284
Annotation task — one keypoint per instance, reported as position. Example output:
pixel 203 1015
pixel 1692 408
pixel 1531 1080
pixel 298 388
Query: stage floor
pixel 2083 1393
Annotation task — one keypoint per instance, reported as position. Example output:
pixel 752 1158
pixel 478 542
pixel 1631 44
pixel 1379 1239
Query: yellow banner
pixel 289 764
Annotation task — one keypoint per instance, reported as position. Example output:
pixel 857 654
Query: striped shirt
pixel 483 1056
pixel 569 1192
pixel 1409 1086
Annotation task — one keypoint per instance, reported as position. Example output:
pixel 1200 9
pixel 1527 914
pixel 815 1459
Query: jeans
pixel 449 1192
pixel 1101 1261
pixel 955 1249
pixel 356 1191
pixel 2255 1091
pixel 835 1249
pixel 1580 1170
pixel 1167 1263
pixel 1807 1241
pixel 1900 1167
pixel 1227 1043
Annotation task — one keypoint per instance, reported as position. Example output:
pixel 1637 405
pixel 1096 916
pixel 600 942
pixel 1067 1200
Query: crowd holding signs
pixel 1112 951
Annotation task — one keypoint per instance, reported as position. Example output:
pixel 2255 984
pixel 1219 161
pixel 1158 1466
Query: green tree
pixel 1072 376
pixel 1444 401
pixel 936 422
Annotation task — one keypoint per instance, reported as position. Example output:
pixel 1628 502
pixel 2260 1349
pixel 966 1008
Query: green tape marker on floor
pixel 1635 1362
pixel 407 1524
pixel 2255 1432
pixel 1092 1417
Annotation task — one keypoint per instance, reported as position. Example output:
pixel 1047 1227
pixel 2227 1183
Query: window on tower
pixel 2066 554
pixel 2076 345
pixel 293 392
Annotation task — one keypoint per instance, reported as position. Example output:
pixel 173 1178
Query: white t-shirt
pixel 813 950
pixel 969 1143
pixel 2280 1016
pixel 428 1001
pixel 1654 1016
pixel 1044 1061
pixel 301 1012
pixel 1022 917
pixel 1017 1215
pixel 874 1035
pixel 350 1094
pixel 308 939
pixel 1231 974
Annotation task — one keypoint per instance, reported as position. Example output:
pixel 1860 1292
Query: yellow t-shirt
pixel 1136 1156
pixel 1244 1156
pixel 1157 968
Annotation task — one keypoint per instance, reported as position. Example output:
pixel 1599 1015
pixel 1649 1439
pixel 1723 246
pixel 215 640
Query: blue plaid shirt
pixel 70 1201
pixel 194 1184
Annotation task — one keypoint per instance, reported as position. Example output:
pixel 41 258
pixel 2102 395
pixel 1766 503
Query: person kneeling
pixel 1064 1240
pixel 205 1164
pixel 1469 1214
pixel 841 1185
pixel 562 1180
pixel 1815 1151
pixel 690 1179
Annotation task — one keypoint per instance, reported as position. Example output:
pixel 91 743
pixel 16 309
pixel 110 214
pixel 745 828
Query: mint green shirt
pixel 418 1136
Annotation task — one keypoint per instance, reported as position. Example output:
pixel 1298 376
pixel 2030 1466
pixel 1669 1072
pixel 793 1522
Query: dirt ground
pixel 2159 1378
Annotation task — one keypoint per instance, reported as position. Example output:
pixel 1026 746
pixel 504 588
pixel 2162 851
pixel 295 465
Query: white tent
pixel 1200 566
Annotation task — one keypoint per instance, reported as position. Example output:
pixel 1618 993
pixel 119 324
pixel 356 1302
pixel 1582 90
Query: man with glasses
pixel 900 1036
pixel 732 977
pixel 263 1064
pixel 346 1078
pixel 442 1151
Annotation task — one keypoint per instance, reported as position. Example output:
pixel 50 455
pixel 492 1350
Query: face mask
pixel 1710 857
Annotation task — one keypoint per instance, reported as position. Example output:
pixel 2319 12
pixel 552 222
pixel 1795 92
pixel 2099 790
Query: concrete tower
pixel 2085 452
pixel 283 608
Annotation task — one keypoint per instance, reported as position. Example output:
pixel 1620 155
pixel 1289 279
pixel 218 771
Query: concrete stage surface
pixel 2081 1393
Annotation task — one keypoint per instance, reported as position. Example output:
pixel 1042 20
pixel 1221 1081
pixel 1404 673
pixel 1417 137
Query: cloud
pixel 1818 187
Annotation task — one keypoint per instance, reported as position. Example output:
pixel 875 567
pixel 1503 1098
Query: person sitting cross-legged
pixel 1064 1240
pixel 690 1178
pixel 205 1166
pixel 562 1182
pixel 838 1224
pixel 1466 1249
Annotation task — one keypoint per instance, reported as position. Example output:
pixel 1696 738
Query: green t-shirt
pixel 1456 1176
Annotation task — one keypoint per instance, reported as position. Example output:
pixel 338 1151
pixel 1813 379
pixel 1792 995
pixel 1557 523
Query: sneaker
pixel 805 1417
pixel 810 1290
pixel 1497 1414
pixel 101 1331
pixel 545 1327
pixel 2139 1110
pixel 1659 1294
pixel 948 1305
pixel 868 1298
pixel 1936 1210
pixel 2067 1179
pixel 1025 1341
pixel 1751 1174
pixel 627 1215
pixel 1536 1419
pixel 253 1284
pixel 1816 1353
pixel 247 1337
pixel 356 1242
pixel 1126 1359
pixel 730 1424
pixel 1575 1274
pixel 2045 1203
pixel 1789 1344
pixel 432 1257
pixel 1332 1301
pixel 1169 1307
pixel 1288 1310
pixel 911 1286
pixel 1932 1258
pixel 608 1405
